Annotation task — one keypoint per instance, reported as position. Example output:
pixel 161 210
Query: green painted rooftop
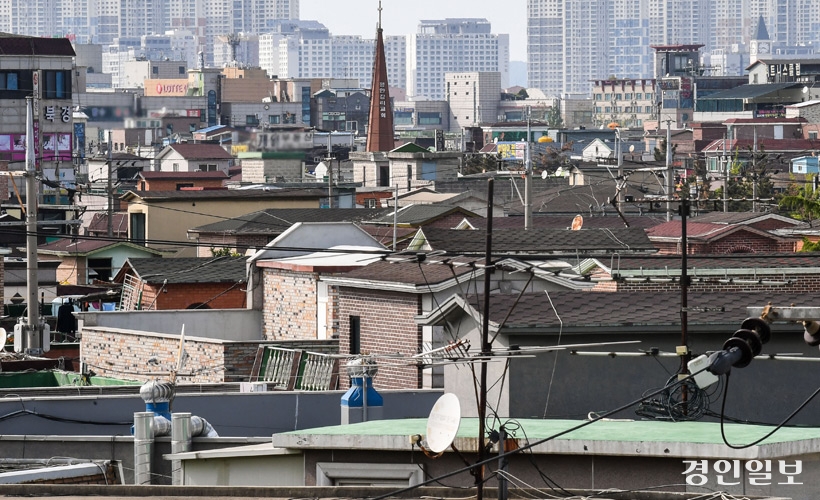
pixel 611 437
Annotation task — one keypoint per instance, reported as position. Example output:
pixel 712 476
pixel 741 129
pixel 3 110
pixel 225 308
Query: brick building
pixel 183 283
pixel 378 304
pixel 705 237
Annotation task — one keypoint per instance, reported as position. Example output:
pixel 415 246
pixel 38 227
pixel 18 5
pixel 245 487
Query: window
pixel 813 134
pixel 355 334
pixel 15 84
pixel 370 203
pixel 136 228
pixel 154 70
pixel 358 474
pixel 251 120
pixel 56 85
pixel 176 167
pixel 429 118
pixel 182 70
pixel 273 119
pixel 181 185
pixel 207 167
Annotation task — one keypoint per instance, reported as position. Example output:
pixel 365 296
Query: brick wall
pixel 799 284
pixel 387 326
pixel 289 311
pixel 72 270
pixel 737 242
pixel 182 296
pixel 124 354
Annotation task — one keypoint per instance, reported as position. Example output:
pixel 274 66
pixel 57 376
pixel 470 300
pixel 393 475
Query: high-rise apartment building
pixel 306 49
pixel 566 44
pixel 571 43
pixel 453 45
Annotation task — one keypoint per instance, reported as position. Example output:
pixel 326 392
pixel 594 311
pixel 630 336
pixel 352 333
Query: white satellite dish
pixel 544 174
pixel 443 422
pixel 631 148
pixel 4 336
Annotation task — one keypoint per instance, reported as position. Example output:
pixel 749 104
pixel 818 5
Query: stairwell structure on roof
pixel 380 124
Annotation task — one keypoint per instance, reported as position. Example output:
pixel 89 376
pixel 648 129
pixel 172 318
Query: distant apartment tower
pixel 473 98
pixel 566 44
pixel 306 49
pixel 453 45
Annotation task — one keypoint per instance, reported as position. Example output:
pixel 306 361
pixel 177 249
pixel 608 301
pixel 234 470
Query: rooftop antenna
pixel 380 16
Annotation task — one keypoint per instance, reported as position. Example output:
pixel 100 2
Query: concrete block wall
pixel 269 170
pixel 112 352
pixel 386 326
pixel 290 308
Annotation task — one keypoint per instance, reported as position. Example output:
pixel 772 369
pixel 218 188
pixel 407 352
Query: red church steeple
pixel 380 126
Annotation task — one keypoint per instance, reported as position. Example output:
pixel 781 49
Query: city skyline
pixel 398 18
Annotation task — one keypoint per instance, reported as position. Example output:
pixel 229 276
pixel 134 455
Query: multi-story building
pixel 473 98
pixel 306 49
pixel 626 102
pixel 453 45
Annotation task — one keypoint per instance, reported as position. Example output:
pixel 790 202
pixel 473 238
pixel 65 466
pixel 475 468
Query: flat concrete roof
pixel 642 438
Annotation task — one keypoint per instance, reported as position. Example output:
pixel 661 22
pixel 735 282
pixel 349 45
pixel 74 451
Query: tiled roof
pixel 591 199
pixel 216 174
pixel 550 221
pixel 190 270
pixel 607 312
pixel 227 194
pixel 536 241
pixel 410 273
pixel 78 246
pixel 277 220
pixel 416 215
pixel 710 261
pixel 19 45
pixel 739 217
pixel 81 246
pixel 702 231
pixel 99 223
pixel 201 151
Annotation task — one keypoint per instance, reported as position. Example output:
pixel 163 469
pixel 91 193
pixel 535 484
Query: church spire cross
pixel 380 14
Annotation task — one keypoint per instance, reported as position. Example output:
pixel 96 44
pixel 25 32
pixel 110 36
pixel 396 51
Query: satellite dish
pixel 4 336
pixel 577 222
pixel 443 422
pixel 805 90
pixel 544 174
pixel 631 148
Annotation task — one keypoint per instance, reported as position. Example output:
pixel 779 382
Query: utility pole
pixel 619 146
pixel 110 189
pixel 528 179
pixel 670 173
pixel 30 332
pixel 754 171
pixel 329 171
pixel 485 345
pixel 725 174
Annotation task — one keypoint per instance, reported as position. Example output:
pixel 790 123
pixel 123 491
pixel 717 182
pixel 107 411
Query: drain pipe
pixel 180 443
pixel 143 446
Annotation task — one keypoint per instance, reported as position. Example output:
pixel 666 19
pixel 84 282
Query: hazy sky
pixel 401 17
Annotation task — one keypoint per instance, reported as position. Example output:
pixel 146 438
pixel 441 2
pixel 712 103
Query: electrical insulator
pixel 811 332
pixel 742 347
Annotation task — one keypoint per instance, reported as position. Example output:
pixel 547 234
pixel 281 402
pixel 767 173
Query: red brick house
pixel 182 283
pixel 710 238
